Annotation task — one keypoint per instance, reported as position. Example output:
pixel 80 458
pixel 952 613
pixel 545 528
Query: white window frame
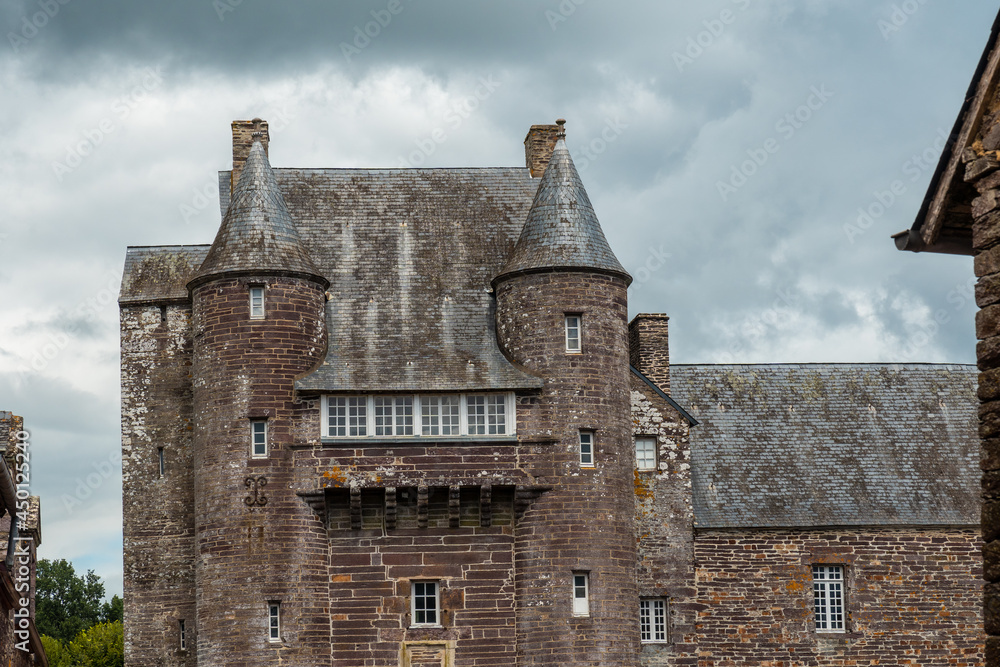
pixel 587 449
pixel 581 594
pixel 353 416
pixel 274 622
pixel 255 440
pixel 257 302
pixel 653 615
pixel 435 609
pixel 574 333
pixel 828 598
pixel 646 453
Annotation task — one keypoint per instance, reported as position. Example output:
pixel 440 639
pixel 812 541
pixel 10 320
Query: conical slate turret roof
pixel 257 233
pixel 561 230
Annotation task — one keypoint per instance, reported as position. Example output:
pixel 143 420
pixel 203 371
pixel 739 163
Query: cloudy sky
pixel 729 146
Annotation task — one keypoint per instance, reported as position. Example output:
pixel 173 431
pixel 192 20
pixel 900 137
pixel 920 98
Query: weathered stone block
pixel 988 262
pixel 984 203
pixel 988 322
pixel 980 167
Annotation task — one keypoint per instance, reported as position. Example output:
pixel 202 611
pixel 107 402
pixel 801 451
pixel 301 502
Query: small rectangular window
pixel 645 453
pixel 183 636
pixel 573 342
pixel 828 597
pixel 160 461
pixel 274 621
pixel 424 601
pixel 258 435
pixel 393 415
pixel 348 416
pixel 257 303
pixel 587 449
pixel 653 620
pixel 581 594
pixel 439 415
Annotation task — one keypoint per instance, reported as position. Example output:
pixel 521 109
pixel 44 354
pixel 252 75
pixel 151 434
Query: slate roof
pixel 159 273
pixel 562 230
pixel 409 254
pixel 785 445
pixel 257 232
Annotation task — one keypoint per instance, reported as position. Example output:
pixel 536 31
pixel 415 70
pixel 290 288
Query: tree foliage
pixel 65 603
pixel 102 645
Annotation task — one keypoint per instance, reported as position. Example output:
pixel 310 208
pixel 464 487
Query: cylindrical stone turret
pixel 562 313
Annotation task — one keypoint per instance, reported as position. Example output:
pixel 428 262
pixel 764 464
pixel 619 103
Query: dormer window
pixel 256 303
pixel 573 334
pixel 409 416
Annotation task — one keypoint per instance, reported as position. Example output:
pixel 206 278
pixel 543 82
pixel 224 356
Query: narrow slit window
pixel 274 622
pixel 424 596
pixel 828 597
pixel 587 449
pixel 257 303
pixel 160 461
pixel 258 437
pixel 645 453
pixel 581 594
pixel 183 636
pixel 573 333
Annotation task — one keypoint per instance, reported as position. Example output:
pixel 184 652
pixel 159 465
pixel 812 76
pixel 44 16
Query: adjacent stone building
pixel 960 215
pixel 20 536
pixel 400 417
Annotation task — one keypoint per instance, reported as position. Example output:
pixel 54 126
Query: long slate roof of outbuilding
pixel 794 445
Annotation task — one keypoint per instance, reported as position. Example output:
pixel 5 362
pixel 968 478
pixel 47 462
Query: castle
pixel 401 417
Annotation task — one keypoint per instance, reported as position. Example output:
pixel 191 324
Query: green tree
pixel 56 652
pixel 113 611
pixel 65 603
pixel 102 645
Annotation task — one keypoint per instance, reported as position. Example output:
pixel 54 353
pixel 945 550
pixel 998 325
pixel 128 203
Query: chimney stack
pixel 244 132
pixel 648 350
pixel 539 144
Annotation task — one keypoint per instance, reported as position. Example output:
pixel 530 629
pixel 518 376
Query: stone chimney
pixel 539 144
pixel 648 350
pixel 244 132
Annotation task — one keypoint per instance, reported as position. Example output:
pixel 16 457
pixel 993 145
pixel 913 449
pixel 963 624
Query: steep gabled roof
pixel 944 221
pixel 561 230
pixel 257 233
pixel 798 445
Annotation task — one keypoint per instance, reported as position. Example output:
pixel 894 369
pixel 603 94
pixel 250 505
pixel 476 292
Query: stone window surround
pixel 256 294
